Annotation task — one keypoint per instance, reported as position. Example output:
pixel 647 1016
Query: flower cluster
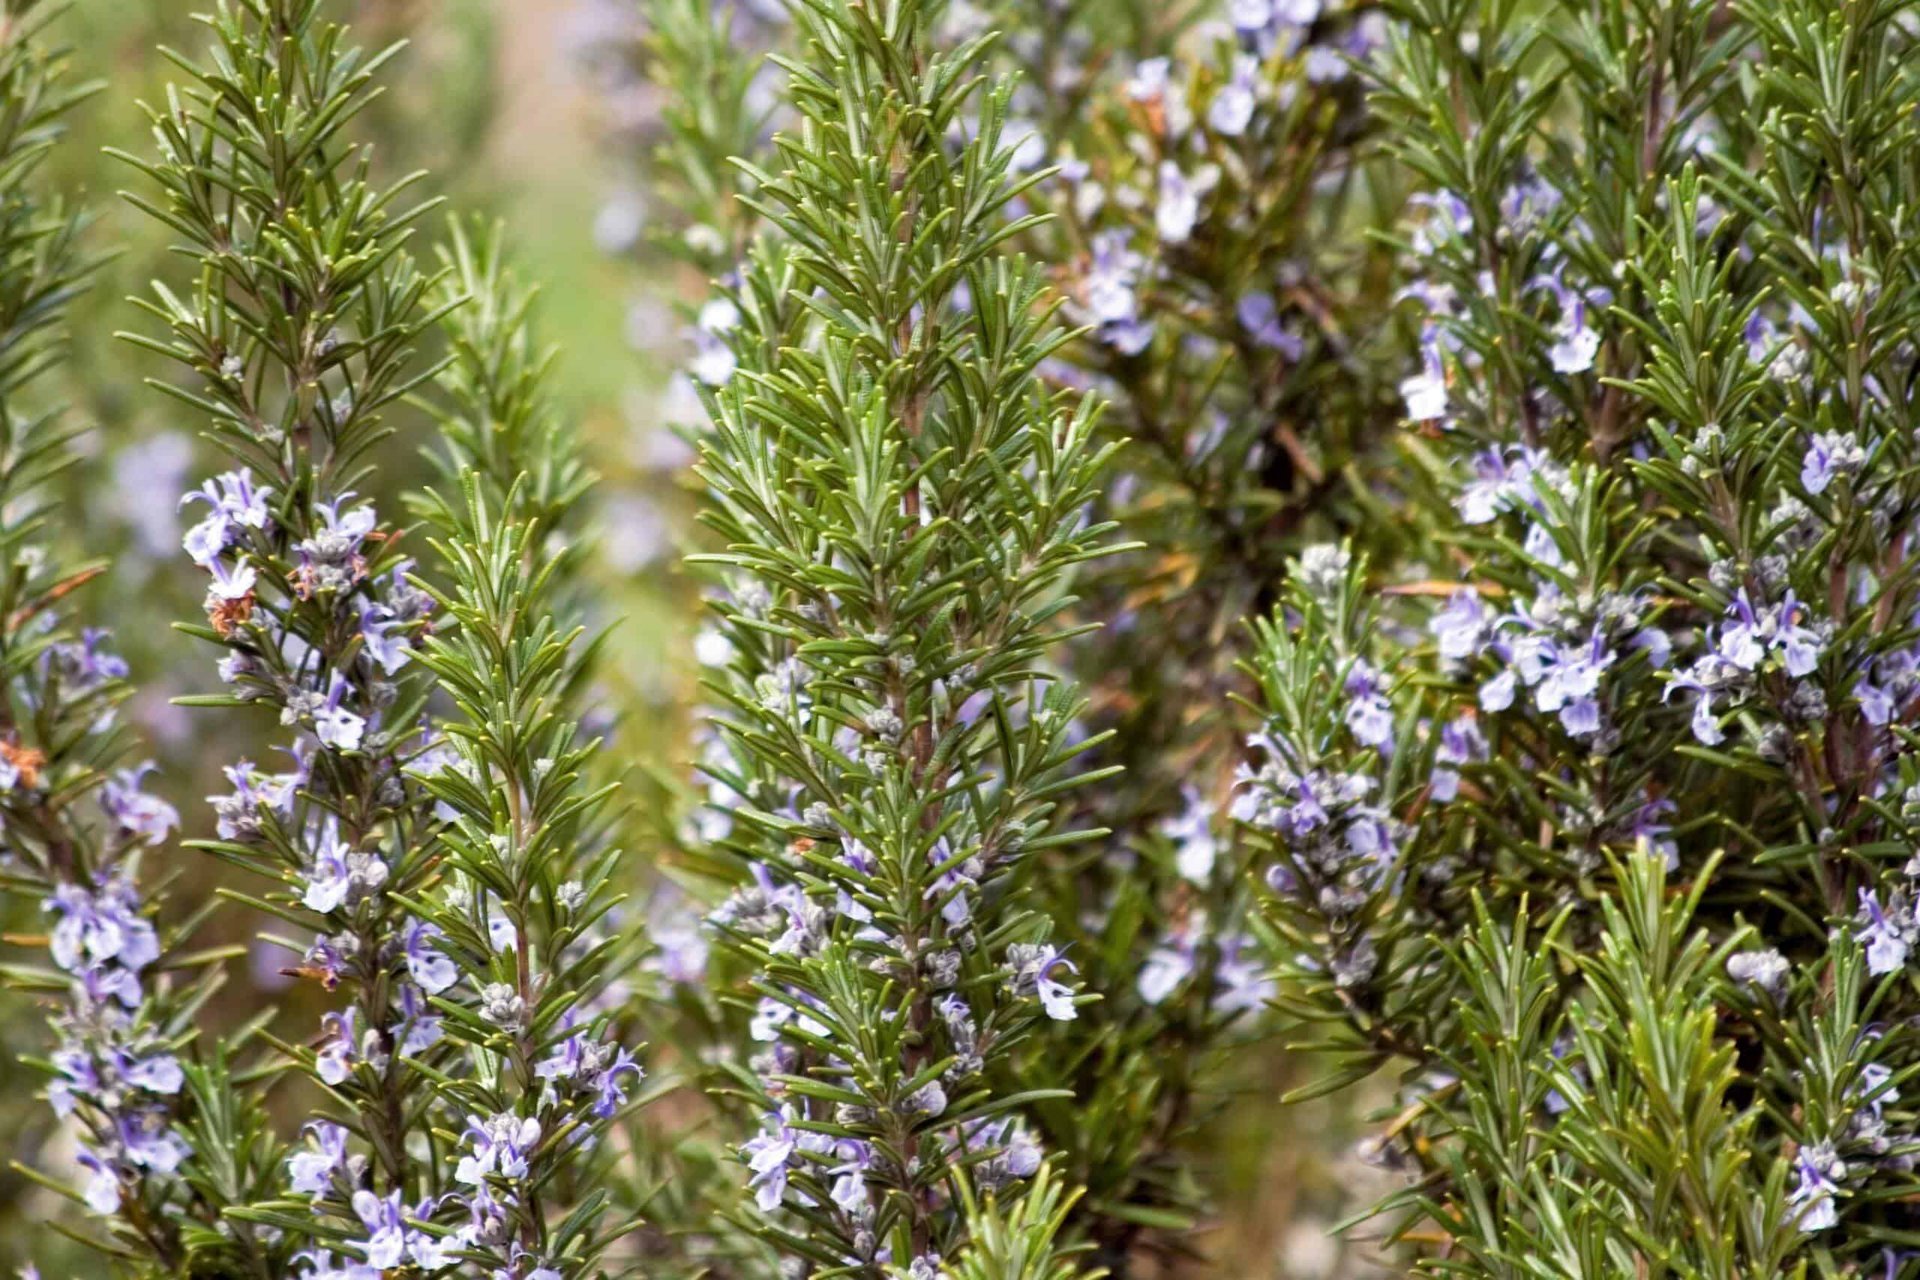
pixel 116 1072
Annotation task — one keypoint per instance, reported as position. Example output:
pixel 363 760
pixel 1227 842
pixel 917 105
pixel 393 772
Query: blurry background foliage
pixel 501 101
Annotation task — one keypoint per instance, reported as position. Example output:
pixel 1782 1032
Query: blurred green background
pixel 496 99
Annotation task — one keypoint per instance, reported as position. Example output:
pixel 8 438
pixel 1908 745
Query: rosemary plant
pixel 900 504
pixel 1596 826
pixel 436 862
pixel 122 991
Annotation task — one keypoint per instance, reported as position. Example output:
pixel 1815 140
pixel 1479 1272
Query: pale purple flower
pixel 1369 715
pixel 97 985
pixel 1151 79
pixel 107 1075
pixel 1525 204
pixel 1460 625
pixel 1250 17
pixel 1243 982
pixel 767 1156
pixel 1830 454
pixel 311 1170
pixel 500 1145
pixel 1655 643
pixel 1461 743
pixel 1706 729
pixel 1876 705
pixel 953 887
pixel 1542 546
pixel 1750 634
pixel 333 724
pixel 433 971
pixel 82 1080
pixel 1111 293
pixel 159 1073
pixel 610 1083
pixel 500 930
pixel 147 1140
pixel 1269 24
pixel 1259 315
pixel 1449 217
pixel 339 1049
pixel 1800 650
pixel 422 1027
pixel 1489 491
pixel 1570 681
pixel 236 504
pixel 519 1268
pixel 1426 392
pixel 391 1237
pixel 145 818
pixel 231 583
pixel 769 1016
pixel 341 533
pixel 1874 1089
pixel 1289 803
pixel 1497 694
pixel 929 1099
pixel 1650 827
pixel 1180 196
pixel 1575 342
pixel 1740 641
pixel 102 926
pixel 1231 110
pixel 1166 967
pixel 1764 970
pixel 486 1216
pixel 1032 966
pixel 321 1265
pixel 1819 1171
pixel 85 663
pixel 102 1191
pixel 1887 933
pixel 340 874
pixel 405 602
pixel 713 359
pixel 377 636
pixel 849 1190
pixel 1326 65
pixel 1191 831
pixel 239 813
pixel 602 1069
